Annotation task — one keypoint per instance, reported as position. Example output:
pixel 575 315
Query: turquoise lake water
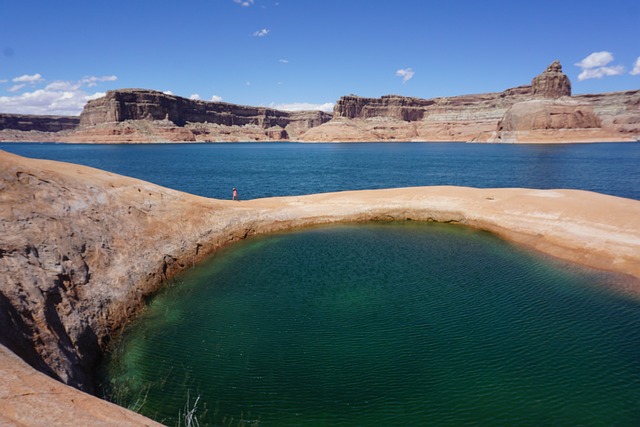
pixel 285 169
pixel 384 324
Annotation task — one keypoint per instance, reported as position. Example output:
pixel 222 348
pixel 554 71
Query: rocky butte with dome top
pixel 544 111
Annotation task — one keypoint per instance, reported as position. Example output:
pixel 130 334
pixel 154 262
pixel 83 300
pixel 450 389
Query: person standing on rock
pixel 235 195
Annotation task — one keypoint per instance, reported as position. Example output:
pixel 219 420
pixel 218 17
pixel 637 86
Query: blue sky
pixel 55 55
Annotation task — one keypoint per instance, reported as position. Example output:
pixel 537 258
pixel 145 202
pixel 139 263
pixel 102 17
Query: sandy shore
pixel 131 235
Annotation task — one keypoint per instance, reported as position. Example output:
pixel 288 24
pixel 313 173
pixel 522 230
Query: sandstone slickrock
pixel 81 248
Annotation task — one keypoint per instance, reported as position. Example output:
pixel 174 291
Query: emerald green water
pixel 383 324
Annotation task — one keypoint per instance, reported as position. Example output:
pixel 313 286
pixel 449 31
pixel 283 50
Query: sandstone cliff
pixel 545 111
pixel 81 248
pixel 23 127
pixel 147 115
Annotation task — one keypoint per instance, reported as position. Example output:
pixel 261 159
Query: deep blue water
pixel 281 169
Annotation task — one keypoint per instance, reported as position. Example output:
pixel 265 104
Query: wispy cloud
pixel 406 74
pixel 283 61
pixel 216 98
pixel 61 97
pixel 596 66
pixel 16 88
pixel 636 68
pixel 261 33
pixel 244 3
pixel 194 97
pixel 92 81
pixel 26 78
pixel 303 106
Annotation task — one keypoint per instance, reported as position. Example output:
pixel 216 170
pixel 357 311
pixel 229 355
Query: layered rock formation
pixel 22 127
pixel 147 115
pixel 82 248
pixel 38 123
pixel 549 114
pixel 545 111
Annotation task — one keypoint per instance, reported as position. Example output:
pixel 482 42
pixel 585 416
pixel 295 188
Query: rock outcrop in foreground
pixel 80 249
pixel 544 111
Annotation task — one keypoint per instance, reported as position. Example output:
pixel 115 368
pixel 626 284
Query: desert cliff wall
pixel 544 111
pixel 24 122
pixel 128 112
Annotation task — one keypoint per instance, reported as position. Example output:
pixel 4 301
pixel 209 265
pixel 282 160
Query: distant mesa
pixel 544 111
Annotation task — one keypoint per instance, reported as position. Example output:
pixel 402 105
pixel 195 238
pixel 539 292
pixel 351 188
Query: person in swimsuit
pixel 235 195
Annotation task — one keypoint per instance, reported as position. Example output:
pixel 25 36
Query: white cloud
pixel 216 98
pixel 600 72
pixel 167 92
pixel 596 59
pixel 302 106
pixel 406 74
pixel 16 88
pixel 636 68
pixel 92 81
pixel 284 61
pixel 595 66
pixel 194 96
pixel 261 33
pixel 66 98
pixel 244 3
pixel 26 78
pixel 4 81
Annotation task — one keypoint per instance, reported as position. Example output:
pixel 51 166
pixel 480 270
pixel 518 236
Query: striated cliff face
pixel 24 122
pixel 25 127
pixel 131 114
pixel 415 109
pixel 542 112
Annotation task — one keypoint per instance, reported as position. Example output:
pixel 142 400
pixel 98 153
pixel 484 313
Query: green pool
pixel 382 324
